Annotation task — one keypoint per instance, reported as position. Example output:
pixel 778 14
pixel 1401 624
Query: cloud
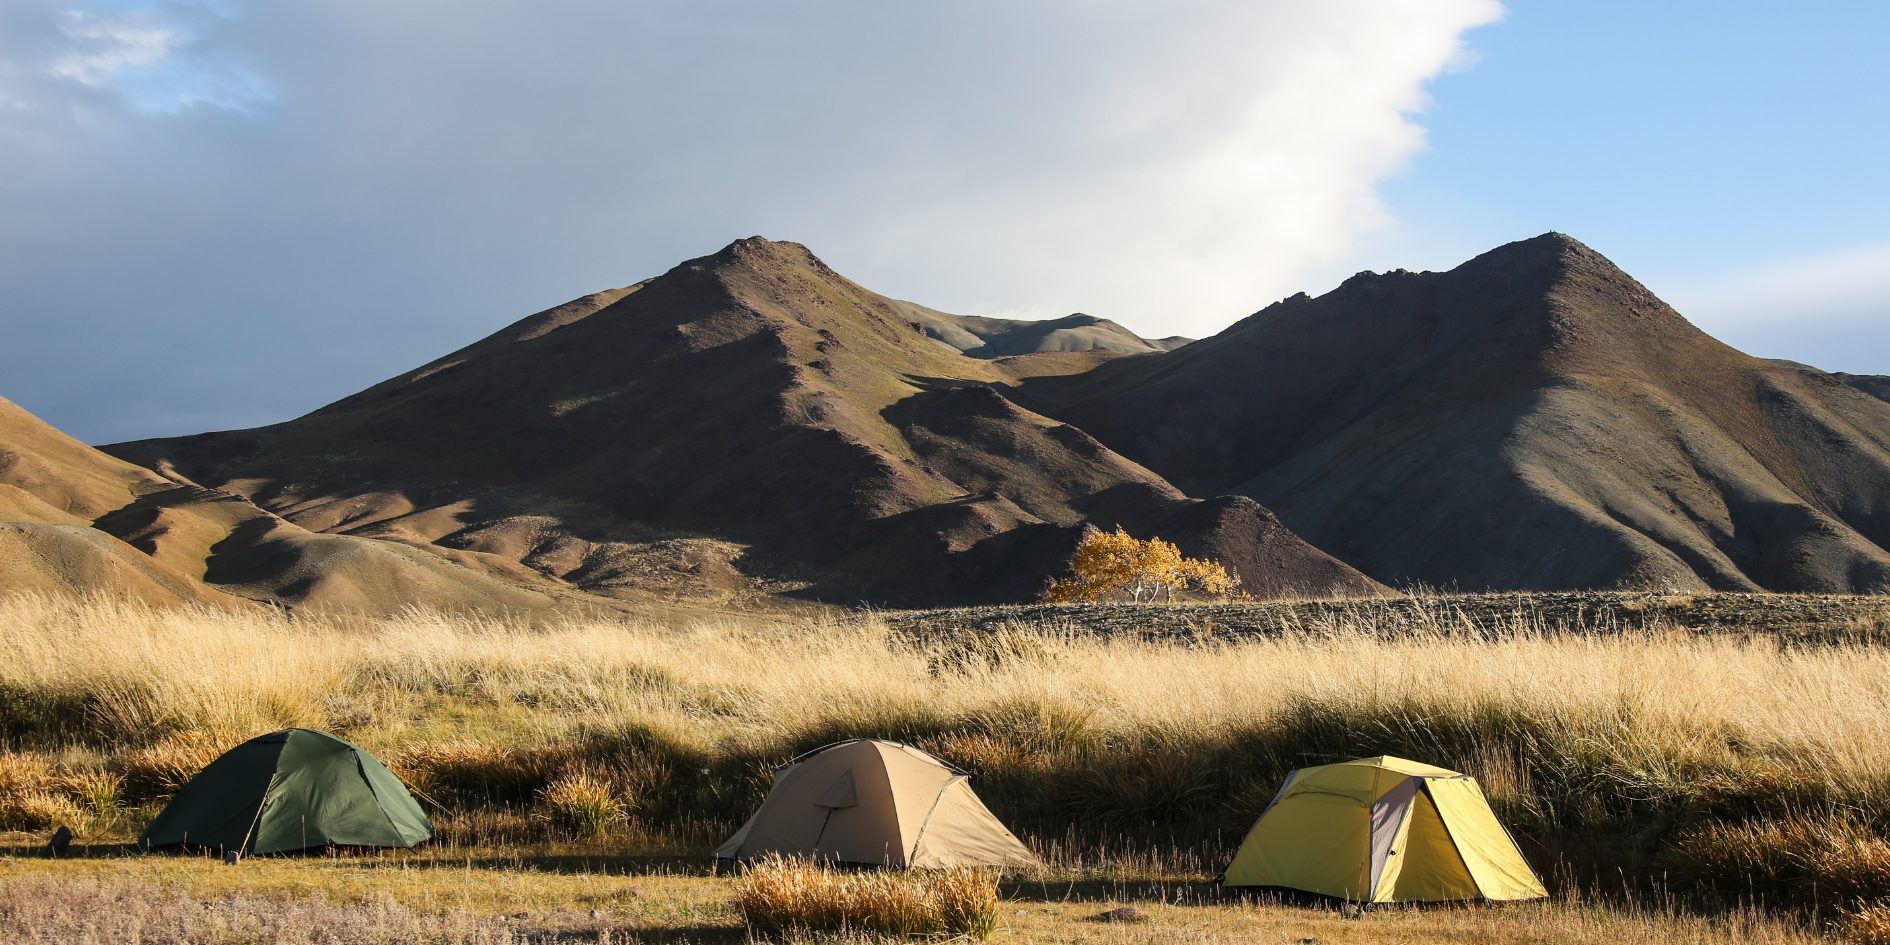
pixel 144 58
pixel 110 45
pixel 1830 309
pixel 376 183
pixel 1849 284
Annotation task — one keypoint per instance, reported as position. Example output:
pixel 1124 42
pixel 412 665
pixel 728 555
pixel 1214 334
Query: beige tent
pixel 874 803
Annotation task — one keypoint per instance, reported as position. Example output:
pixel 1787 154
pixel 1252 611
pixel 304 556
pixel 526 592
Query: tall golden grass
pixel 1655 753
pixel 785 896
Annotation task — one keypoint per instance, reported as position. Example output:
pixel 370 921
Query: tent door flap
pixel 841 793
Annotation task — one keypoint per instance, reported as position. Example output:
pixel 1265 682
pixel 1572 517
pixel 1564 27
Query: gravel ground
pixel 1794 616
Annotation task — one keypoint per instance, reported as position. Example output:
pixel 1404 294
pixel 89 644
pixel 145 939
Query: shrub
pixel 1116 566
pixel 582 803
pixel 789 896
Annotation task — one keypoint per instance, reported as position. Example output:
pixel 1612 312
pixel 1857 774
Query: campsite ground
pixel 1673 782
pixel 574 894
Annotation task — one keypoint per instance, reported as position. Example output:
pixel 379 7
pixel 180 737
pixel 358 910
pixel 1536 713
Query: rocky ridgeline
pixel 1808 617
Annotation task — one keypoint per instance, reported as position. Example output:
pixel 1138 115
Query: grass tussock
pixel 583 803
pixel 1638 754
pixel 781 896
pixel 1867 924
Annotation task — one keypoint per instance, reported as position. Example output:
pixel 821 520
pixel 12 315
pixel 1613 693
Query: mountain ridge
pixel 1532 419
pixel 753 429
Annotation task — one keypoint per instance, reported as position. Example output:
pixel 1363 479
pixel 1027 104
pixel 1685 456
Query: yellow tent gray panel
pixel 875 803
pixel 1383 830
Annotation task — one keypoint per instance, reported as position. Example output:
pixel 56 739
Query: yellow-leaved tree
pixel 1116 566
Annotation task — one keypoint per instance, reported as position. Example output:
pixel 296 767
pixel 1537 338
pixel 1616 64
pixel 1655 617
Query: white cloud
pixel 143 57
pixel 107 46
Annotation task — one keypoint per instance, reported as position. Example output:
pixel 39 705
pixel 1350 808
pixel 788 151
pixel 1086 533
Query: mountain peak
pixel 1551 254
pixel 759 250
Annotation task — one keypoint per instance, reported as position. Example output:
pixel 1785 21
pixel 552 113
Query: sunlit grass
pixel 1716 766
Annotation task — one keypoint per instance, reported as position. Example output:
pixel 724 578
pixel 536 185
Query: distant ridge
pixel 1877 386
pixel 982 337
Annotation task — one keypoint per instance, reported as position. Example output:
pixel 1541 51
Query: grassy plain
pixel 1671 785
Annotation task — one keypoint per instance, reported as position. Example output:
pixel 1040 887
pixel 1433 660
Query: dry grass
pixel 781 896
pixel 1611 754
pixel 582 803
pixel 89 912
pixel 1868 924
pixel 518 897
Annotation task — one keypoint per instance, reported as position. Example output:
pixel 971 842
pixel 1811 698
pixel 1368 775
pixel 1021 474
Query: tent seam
pixel 1451 835
pixel 919 837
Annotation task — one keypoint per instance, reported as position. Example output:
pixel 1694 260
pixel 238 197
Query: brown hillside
pixel 51 487
pixel 1533 419
pixel 75 520
pixel 750 422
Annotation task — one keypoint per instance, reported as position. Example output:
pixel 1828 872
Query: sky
pixel 220 213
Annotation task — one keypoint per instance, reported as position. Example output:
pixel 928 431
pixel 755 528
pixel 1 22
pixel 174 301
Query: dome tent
pixel 875 803
pixel 1383 830
pixel 290 790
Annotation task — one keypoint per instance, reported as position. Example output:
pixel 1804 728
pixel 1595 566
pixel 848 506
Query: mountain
pixel 75 520
pixel 1876 386
pixel 749 425
pixel 982 337
pixel 1532 419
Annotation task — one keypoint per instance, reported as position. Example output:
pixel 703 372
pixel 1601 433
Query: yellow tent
pixel 875 803
pixel 1383 830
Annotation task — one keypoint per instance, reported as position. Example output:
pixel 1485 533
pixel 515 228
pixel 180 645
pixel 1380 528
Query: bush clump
pixel 787 896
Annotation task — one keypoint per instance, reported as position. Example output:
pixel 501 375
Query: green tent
pixel 291 790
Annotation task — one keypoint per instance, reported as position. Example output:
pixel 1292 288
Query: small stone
pixel 61 841
pixel 1121 914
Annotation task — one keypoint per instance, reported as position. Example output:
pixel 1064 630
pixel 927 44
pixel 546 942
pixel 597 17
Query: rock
pixel 1121 914
pixel 61 841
